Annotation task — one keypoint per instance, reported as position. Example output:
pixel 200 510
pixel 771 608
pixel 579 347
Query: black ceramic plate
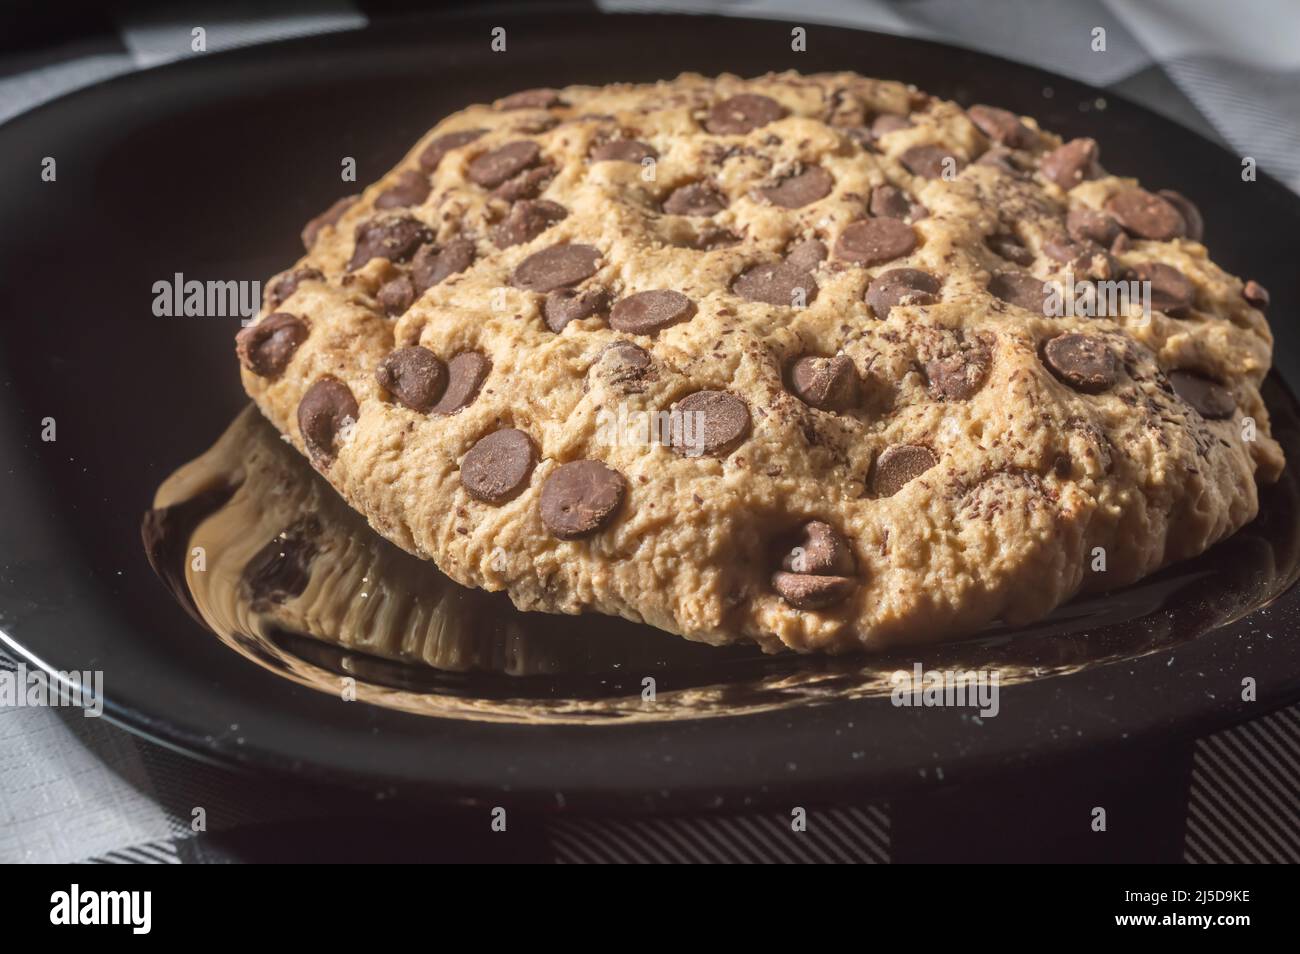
pixel 209 168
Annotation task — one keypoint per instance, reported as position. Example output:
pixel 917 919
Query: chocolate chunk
pixel 409 188
pixel 960 375
pixel 901 286
pixel 437 150
pixel 288 284
pixel 888 202
pixel 433 265
pixel 1211 400
pixel 325 411
pixel 1088 225
pixel 648 312
pixel 280 570
pixel 627 355
pixel 1020 288
pixel 1002 126
pixel 741 114
pixel 527 185
pixel 807 591
pixel 541 98
pixel 579 498
pixel 395 238
pixel 396 295
pixel 896 466
pixel 567 304
pixel 1010 248
pixel 709 422
pixel 266 347
pixel 465 374
pixel 929 162
pixel 493 168
pixel 1083 257
pixel 311 231
pixel 886 123
pixel 1003 160
pixel 819 550
pixel 875 241
pixel 780 283
pixel 1147 216
pixel 806 255
pixel 803 188
pixel 414 376
pixel 1071 163
pixel 527 220
pixel 696 198
pixel 1256 294
pixel 1171 291
pixel 828 384
pixel 498 466
pixel 623 150
pixel 556 267
pixel 1084 362
pixel 1194 225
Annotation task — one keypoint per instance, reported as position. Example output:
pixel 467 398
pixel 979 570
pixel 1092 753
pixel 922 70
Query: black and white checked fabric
pixel 79 790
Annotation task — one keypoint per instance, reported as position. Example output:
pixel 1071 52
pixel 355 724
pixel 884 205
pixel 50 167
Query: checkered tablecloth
pixel 76 789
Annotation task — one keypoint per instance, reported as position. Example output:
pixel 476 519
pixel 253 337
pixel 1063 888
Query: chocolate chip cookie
pixel 818 361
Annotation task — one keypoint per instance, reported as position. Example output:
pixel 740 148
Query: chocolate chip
pixel 541 98
pixel 396 295
pixel 465 374
pixel 875 241
pixel 527 220
pixel 709 422
pixel 266 347
pixel 901 286
pixel 696 198
pixel 806 255
pixel 311 231
pixel 1171 291
pixel 527 185
pixel 288 284
pixel 960 375
pixel 1211 400
pixel 1020 288
pixel 556 267
pixel 1147 216
pixel 886 123
pixel 623 150
pixel 648 312
pixel 1003 160
pixel 1010 248
pixel 800 189
pixel 1084 362
pixel 1088 225
pixel 579 497
pixel 409 188
pixel 1071 163
pixel 1002 126
pixel 567 304
pixel 819 550
pixel 806 591
pixel 433 265
pixel 498 466
pixel 395 238
pixel 493 168
pixel 1256 294
pixel 437 150
pixel 1083 257
pixel 414 376
pixel 828 384
pixel 324 411
pixel 929 162
pixel 888 202
pixel 781 283
pixel 741 114
pixel 896 466
pixel 627 355
pixel 1194 225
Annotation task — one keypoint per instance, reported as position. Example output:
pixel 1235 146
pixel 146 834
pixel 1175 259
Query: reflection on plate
pixel 262 551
